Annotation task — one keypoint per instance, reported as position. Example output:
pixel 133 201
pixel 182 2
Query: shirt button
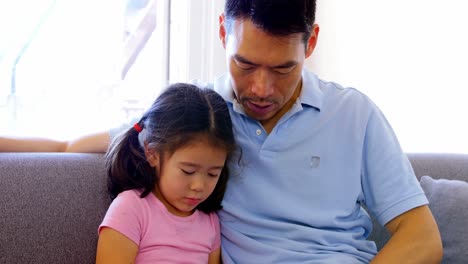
pixel 258 132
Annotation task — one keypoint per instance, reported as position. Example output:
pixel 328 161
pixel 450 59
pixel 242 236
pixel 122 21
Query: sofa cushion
pixel 51 205
pixel 448 201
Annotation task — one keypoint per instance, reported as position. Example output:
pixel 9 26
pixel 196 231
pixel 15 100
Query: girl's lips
pixel 192 201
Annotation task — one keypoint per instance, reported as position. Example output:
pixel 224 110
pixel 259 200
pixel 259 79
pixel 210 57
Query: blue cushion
pixel 448 201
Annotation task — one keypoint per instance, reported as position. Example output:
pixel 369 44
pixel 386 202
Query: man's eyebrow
pixel 287 64
pixel 241 59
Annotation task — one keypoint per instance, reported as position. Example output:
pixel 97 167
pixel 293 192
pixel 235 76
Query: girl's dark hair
pixel 277 17
pixel 181 114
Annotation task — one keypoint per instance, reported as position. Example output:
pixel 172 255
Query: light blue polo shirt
pixel 296 194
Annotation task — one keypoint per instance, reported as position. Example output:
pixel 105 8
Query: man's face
pixel 265 70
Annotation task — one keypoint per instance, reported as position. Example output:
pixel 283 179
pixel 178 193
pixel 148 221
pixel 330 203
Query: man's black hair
pixel 276 17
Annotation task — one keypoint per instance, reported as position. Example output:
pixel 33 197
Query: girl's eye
pixel 187 172
pixel 214 173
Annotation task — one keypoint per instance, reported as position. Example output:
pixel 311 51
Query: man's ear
pixel 151 156
pixel 312 41
pixel 222 29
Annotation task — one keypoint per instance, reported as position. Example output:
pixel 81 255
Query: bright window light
pixel 409 57
pixel 68 68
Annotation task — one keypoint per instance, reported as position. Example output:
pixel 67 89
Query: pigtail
pixel 126 164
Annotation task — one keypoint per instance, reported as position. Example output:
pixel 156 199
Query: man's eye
pixel 244 66
pixel 284 70
pixel 188 172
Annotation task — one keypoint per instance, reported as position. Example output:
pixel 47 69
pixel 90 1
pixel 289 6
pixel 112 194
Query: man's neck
pixel 270 123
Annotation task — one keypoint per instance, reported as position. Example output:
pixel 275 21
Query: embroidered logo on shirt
pixel 315 162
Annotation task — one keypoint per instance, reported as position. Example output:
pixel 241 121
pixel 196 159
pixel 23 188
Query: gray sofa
pixel 52 203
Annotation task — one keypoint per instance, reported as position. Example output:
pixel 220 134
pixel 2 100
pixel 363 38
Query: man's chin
pixel 261 117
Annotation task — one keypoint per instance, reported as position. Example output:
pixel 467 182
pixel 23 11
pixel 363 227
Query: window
pixel 74 67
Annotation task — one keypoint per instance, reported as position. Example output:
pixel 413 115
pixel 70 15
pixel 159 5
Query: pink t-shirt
pixel 161 236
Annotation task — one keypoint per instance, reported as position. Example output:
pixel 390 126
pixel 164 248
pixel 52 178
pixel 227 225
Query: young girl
pixel 168 177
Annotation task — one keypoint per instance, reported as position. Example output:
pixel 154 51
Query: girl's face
pixel 188 176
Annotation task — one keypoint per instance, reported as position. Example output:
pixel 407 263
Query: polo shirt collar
pixel 222 85
pixel 311 93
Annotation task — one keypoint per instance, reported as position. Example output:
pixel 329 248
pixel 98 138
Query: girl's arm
pixel 115 248
pixel 215 257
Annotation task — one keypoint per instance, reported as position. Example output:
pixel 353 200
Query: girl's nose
pixel 197 184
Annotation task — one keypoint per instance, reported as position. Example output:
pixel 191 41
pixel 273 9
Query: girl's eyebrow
pixel 191 164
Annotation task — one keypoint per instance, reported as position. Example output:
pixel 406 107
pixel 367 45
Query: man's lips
pixel 260 108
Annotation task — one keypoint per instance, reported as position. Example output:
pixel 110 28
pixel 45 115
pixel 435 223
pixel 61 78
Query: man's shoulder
pixel 332 87
pixel 321 93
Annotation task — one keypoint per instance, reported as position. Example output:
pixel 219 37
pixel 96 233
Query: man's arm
pixel 415 239
pixel 92 143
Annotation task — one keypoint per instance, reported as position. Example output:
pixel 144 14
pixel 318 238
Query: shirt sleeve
pixel 389 184
pixel 124 216
pixel 217 240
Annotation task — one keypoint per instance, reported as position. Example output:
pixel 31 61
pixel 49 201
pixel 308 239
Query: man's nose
pixel 262 83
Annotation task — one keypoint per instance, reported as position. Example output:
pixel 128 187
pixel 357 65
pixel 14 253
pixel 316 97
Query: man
pixel 312 153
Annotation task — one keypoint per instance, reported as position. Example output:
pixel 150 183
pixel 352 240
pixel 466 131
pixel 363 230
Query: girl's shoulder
pixel 129 194
pixel 130 197
pixel 211 218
